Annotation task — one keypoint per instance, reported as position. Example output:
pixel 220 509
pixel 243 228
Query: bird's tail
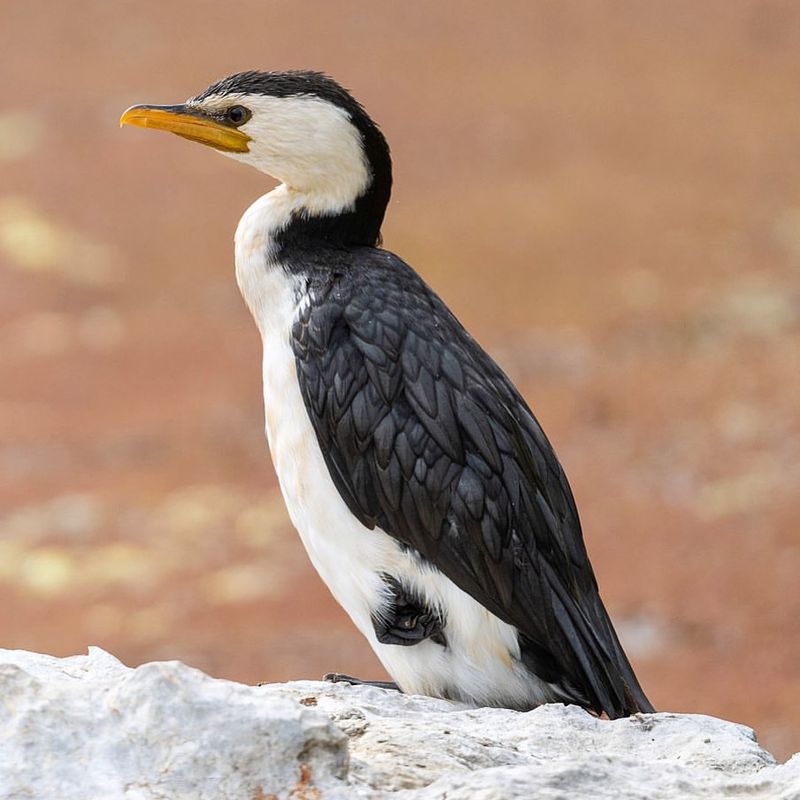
pixel 608 679
pixel 630 697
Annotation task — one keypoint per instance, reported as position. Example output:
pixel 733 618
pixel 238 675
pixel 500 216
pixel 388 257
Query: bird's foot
pixel 338 677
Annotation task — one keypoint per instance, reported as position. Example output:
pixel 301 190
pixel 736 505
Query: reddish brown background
pixel 607 193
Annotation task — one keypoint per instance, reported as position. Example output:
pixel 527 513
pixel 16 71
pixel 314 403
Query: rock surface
pixel 90 728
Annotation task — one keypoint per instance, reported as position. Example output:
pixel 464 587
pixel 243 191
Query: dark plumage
pixel 427 439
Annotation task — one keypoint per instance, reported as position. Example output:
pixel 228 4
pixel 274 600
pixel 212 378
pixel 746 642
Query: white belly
pixel 480 662
pixel 481 652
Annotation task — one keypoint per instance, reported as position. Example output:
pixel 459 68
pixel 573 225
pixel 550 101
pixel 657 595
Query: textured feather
pixel 425 437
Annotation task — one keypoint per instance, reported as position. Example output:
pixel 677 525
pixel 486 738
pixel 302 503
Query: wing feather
pixel 426 438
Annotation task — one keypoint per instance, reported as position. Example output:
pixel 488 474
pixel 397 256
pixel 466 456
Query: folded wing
pixel 427 439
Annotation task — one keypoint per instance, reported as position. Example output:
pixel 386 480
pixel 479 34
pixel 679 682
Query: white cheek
pixel 307 143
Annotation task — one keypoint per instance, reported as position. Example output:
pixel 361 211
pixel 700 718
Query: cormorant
pixel 425 491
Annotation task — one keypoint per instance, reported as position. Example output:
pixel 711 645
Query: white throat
pixel 267 289
pixel 255 245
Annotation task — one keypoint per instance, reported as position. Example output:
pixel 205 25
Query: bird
pixel 424 490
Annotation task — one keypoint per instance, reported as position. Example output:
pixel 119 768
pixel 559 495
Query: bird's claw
pixel 338 677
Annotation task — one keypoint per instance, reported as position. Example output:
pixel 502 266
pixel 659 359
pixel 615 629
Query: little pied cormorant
pixel 424 490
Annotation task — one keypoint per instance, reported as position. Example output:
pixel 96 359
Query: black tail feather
pixel 603 670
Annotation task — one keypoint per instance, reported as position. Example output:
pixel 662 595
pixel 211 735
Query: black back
pixel 427 439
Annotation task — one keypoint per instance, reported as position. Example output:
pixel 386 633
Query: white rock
pixel 89 728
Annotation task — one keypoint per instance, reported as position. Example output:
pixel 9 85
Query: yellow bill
pixel 189 123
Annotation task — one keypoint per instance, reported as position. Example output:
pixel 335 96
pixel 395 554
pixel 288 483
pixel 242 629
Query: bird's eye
pixel 238 115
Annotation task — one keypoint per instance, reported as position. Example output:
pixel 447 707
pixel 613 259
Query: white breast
pixel 348 556
pixel 480 662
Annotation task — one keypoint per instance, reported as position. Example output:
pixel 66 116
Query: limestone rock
pixel 89 728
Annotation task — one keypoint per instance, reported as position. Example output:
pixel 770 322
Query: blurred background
pixel 607 194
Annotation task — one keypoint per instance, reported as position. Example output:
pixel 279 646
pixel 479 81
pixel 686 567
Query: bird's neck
pixel 297 229
pixel 343 208
pixel 288 232
pixel 311 224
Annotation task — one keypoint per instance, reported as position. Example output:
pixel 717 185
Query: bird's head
pixel 300 127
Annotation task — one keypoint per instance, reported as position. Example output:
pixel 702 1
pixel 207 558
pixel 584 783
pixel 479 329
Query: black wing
pixel 426 438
